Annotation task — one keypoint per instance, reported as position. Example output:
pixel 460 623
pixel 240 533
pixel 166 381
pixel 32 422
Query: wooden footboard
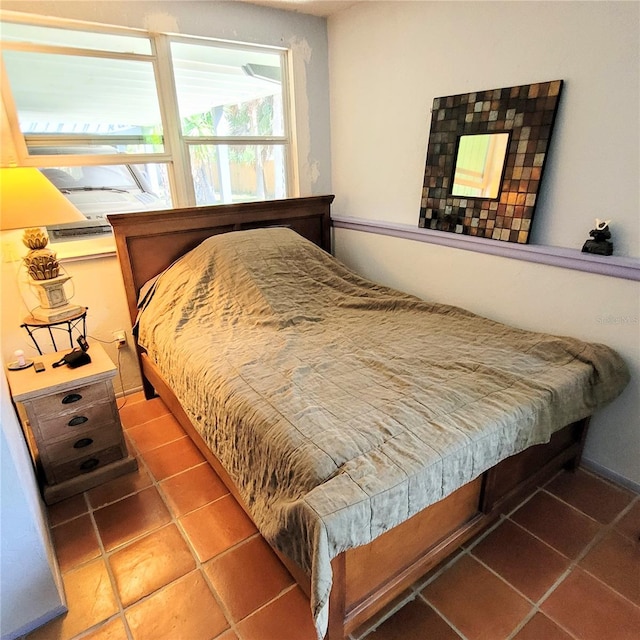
pixel 367 578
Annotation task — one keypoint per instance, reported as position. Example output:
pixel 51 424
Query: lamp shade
pixel 28 199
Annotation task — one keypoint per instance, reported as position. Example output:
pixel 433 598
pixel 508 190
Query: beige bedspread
pixel 339 407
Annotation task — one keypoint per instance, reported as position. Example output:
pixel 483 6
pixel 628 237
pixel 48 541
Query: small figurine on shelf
pixel 599 242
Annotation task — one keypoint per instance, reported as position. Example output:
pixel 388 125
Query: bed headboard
pixel 148 242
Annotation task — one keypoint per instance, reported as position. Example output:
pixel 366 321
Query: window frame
pixel 176 154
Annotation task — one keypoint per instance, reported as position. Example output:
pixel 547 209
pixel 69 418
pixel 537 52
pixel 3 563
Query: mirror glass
pixel 479 165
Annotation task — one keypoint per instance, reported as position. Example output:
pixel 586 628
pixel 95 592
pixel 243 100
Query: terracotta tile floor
pixel 167 553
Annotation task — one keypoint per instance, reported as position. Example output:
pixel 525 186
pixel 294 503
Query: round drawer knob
pixel 82 443
pixel 89 464
pixel 74 422
pixel 71 397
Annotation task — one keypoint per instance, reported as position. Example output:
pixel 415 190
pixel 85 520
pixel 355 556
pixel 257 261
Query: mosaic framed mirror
pixel 485 160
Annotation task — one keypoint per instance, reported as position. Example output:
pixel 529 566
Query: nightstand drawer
pixel 71 400
pixel 84 444
pixel 84 418
pixel 85 464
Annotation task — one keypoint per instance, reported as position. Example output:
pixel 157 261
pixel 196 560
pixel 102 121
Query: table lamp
pixel 29 201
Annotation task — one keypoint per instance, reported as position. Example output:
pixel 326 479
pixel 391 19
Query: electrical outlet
pixel 121 337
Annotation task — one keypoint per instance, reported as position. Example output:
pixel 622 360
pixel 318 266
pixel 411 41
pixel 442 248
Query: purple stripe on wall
pixel 613 266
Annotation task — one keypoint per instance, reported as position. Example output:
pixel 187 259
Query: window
pixel 122 120
pixel 230 101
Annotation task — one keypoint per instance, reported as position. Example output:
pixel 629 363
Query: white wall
pixel 98 282
pixel 389 60
pixel 30 585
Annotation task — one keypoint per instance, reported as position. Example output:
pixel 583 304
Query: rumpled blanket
pixel 340 407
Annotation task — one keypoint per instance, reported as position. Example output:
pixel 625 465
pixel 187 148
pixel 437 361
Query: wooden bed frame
pixel 367 578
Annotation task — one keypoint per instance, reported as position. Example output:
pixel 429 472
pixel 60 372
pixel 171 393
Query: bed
pixel 366 432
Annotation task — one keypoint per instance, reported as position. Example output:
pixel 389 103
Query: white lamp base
pixel 54 306
pixel 58 314
pixel 51 292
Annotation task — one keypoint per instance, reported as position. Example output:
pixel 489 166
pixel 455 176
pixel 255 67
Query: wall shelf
pixel 613 266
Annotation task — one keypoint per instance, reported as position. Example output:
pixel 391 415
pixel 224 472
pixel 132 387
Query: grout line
pixel 377 623
pixel 105 560
pixel 603 532
pixel 104 555
pixel 448 563
pixel 438 612
pixel 155 483
pixel 139 424
pixel 201 564
pixel 544 542
pixel 175 519
pixel 573 507
pixel 607 481
pixel 606 531
pixel 503 579
pixel 530 617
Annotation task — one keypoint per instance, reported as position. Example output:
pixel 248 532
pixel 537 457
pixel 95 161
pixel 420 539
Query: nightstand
pixel 72 423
